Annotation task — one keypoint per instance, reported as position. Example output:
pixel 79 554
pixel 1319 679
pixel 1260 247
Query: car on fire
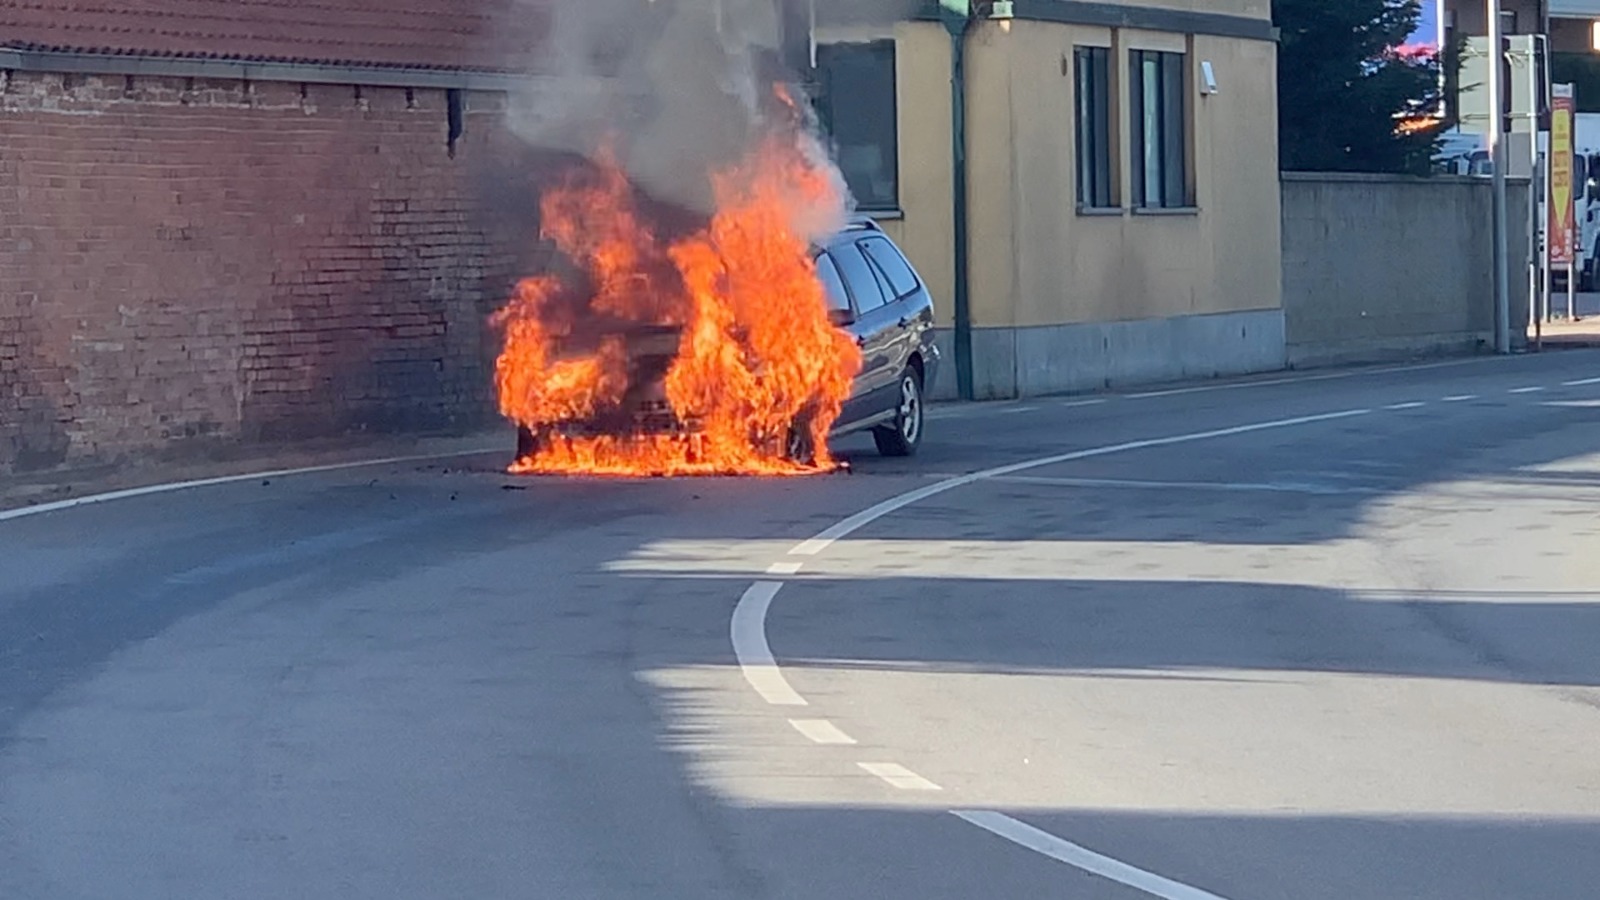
pixel 874 295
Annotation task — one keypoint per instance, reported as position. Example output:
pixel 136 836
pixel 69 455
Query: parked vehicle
pixel 874 294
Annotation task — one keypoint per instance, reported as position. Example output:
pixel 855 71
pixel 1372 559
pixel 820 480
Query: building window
pixel 856 103
pixel 1093 85
pixel 1158 97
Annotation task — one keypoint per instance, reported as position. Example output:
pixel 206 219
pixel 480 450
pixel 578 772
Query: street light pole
pixel 1497 156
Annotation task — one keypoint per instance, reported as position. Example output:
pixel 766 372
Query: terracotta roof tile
pixel 453 34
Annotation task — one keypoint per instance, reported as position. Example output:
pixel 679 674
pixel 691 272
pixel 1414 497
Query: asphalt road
pixel 1329 637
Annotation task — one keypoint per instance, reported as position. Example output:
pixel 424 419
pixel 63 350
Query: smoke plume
pixel 672 90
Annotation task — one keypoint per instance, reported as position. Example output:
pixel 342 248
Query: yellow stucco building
pixel 1122 199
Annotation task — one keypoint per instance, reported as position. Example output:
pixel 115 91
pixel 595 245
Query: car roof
pixel 855 226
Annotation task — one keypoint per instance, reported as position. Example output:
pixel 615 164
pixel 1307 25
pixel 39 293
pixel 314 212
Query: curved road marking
pixel 130 493
pixel 748 631
pixel 1083 858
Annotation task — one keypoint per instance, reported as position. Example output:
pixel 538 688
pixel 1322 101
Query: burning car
pixel 875 300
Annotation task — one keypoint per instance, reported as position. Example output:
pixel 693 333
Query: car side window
pixel 832 285
pixel 902 280
pixel 863 282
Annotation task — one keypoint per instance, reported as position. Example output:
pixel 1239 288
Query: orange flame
pixel 755 355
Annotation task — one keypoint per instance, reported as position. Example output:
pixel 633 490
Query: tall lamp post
pixel 1497 156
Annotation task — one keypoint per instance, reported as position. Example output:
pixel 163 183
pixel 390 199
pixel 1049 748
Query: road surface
pixel 1329 637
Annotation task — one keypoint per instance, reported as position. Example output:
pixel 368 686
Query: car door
pixel 873 329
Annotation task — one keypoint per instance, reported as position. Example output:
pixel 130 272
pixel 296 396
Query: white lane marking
pixel 1019 409
pixel 750 647
pixel 1268 382
pixel 1284 487
pixel 899 776
pixel 130 493
pixel 866 517
pixel 821 731
pixel 1459 398
pixel 1044 842
pixel 1415 404
pixel 1580 382
pixel 784 568
pixel 1526 390
pixel 1075 404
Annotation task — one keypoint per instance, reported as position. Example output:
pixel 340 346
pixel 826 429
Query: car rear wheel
pixel 905 435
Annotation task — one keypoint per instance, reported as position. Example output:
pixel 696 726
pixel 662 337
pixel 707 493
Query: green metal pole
pixel 956 15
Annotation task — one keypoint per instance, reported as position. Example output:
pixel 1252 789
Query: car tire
pixel 798 446
pixel 905 435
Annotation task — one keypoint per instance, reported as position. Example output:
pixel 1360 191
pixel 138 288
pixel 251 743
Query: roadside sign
pixel 1559 235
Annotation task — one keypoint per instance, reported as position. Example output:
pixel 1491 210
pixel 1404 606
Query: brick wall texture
pixel 188 263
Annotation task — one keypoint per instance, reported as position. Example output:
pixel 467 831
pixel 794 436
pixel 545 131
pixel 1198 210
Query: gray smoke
pixel 674 89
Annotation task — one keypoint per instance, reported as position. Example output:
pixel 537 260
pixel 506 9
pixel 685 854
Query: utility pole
pixel 1497 156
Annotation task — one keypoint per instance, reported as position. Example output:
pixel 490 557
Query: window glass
pixel 902 281
pixel 1159 95
pixel 832 284
pixel 1093 85
pixel 863 282
pixel 855 102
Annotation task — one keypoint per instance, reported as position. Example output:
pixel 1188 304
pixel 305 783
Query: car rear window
pixel 894 266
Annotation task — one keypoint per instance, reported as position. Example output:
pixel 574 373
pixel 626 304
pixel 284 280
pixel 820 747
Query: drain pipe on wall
pixel 957 18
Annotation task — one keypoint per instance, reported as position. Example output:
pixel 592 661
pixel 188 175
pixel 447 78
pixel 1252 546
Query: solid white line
pixel 1580 382
pixel 784 568
pixel 1083 858
pixel 1268 382
pixel 750 647
pixel 1459 398
pixel 821 731
pixel 130 493
pixel 899 776
pixel 1415 404
pixel 1019 409
pixel 1527 390
pixel 1074 404
pixel 866 517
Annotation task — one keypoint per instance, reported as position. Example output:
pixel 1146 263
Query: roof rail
pixel 860 222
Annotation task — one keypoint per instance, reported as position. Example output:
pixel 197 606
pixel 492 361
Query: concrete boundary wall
pixel 1056 359
pixel 1379 267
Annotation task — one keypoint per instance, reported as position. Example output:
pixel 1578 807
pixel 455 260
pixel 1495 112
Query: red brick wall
pixel 191 264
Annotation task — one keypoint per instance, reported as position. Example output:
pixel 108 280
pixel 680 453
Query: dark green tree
pixel 1348 99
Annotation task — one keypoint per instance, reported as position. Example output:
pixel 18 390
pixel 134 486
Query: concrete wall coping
pixel 1388 178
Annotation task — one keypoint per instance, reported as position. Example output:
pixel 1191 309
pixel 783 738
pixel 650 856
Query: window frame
pixel 822 100
pixel 1095 130
pixel 1171 148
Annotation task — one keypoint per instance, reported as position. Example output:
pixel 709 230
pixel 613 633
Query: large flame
pixel 755 353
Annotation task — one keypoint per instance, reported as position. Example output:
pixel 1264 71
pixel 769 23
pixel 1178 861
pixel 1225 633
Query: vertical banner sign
pixel 1559 236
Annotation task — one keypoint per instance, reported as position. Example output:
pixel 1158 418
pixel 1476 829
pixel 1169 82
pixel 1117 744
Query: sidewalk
pixel 1563 334
pixel 31 490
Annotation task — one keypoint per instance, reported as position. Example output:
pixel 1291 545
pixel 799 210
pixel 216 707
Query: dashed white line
pixel 1415 404
pixel 1282 487
pixel 784 568
pixel 1534 389
pixel 1044 842
pixel 1015 410
pixel 821 731
pixel 1075 404
pixel 1581 382
pixel 750 647
pixel 1458 398
pixel 1269 382
pixel 899 776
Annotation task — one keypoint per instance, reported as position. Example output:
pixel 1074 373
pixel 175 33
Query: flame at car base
pixel 752 374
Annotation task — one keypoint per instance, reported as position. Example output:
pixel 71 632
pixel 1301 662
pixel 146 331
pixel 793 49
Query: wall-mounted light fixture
pixel 1208 78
